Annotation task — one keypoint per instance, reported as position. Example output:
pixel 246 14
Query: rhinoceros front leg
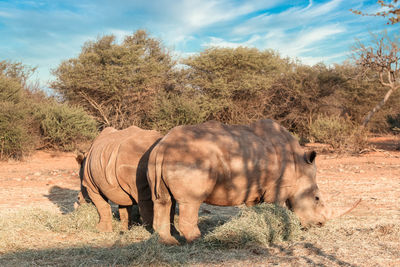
pixel 146 211
pixel 124 215
pixel 104 210
pixel 188 217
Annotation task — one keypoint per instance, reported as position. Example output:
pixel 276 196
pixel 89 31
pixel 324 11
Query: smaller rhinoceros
pixel 228 165
pixel 115 169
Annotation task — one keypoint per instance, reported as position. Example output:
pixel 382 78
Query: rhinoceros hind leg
pixel 161 221
pixel 104 210
pixel 188 217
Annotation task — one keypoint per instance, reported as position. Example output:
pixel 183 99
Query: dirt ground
pixel 49 180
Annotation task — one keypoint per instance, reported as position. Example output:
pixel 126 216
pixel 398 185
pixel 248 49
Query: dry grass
pixel 261 235
pixel 38 237
pixel 260 225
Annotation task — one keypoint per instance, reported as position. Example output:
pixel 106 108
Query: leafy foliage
pixel 298 96
pixel 63 126
pixel 136 82
pixel 234 82
pixel 333 130
pixel 14 138
pixel 117 83
pixel 28 119
pixel 179 109
pixel 16 71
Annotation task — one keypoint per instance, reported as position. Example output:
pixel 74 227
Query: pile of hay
pixel 259 225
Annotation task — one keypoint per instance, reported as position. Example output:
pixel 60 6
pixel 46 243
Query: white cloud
pixel 219 42
pixel 288 19
pixel 307 39
pixel 288 44
pixel 325 59
pixel 196 14
pixel 309 30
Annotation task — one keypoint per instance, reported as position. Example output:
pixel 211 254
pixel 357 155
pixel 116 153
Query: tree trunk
pixel 377 107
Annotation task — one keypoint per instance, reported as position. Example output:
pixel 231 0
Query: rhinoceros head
pixel 306 201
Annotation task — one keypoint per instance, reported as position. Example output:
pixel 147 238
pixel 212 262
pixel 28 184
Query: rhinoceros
pixel 115 169
pixel 228 165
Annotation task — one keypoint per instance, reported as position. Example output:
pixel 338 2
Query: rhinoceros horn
pixel 336 213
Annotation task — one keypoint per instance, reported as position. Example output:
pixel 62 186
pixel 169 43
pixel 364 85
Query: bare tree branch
pixel 96 106
pixel 390 9
pixel 382 57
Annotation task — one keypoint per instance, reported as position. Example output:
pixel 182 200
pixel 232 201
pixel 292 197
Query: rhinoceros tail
pixel 154 170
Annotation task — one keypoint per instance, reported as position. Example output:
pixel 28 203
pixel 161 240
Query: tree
pixel 16 70
pixel 234 81
pixel 390 10
pixel 117 83
pixel 297 97
pixel 382 57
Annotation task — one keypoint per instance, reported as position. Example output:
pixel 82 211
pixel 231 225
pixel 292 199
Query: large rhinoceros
pixel 228 165
pixel 115 169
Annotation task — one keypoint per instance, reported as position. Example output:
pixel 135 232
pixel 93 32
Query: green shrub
pixel 335 131
pixel 10 90
pixel 64 127
pixel 259 225
pixel 14 138
pixel 173 110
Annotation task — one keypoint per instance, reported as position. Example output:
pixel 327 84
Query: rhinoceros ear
pixel 79 158
pixel 309 156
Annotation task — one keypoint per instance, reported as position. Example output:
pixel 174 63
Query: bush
pixel 14 127
pixel 117 83
pixel 64 127
pixel 15 141
pixel 335 131
pixel 234 81
pixel 173 110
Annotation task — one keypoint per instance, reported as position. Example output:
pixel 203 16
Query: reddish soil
pixel 45 180
pixel 50 179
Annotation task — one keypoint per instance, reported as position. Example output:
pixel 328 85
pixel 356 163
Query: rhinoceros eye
pixel 317 198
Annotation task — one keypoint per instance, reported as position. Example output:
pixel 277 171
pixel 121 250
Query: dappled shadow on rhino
pixel 229 165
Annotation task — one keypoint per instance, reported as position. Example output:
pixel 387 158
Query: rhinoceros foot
pixel 169 240
pixel 104 227
pixel 190 231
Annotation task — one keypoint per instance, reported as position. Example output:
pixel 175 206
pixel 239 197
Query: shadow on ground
pixel 123 249
pixel 63 198
pixel 150 252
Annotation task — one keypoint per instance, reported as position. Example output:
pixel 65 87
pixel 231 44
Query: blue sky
pixel 43 33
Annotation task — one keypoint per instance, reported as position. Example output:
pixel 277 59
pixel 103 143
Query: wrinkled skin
pixel 228 165
pixel 115 169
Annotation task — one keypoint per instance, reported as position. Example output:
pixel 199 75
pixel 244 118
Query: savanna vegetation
pixel 138 82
